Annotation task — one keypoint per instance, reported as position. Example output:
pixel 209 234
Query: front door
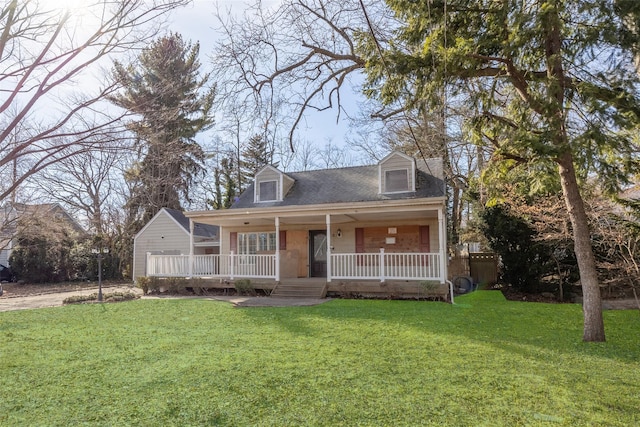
pixel 318 253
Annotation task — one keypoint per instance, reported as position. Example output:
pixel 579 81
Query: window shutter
pixel 233 242
pixel 359 240
pixel 425 243
pixel 283 240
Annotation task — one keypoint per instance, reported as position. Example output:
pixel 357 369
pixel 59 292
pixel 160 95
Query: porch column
pixel 191 227
pixel 277 249
pixel 442 244
pixel 328 248
pixel 222 267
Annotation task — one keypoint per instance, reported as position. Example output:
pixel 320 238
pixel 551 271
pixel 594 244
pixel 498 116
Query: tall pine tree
pixel 256 154
pixel 173 103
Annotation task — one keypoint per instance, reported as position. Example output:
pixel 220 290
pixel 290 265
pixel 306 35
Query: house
pixel 367 230
pixel 169 233
pixel 15 217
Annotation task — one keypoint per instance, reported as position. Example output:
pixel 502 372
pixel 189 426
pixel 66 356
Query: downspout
pixel 442 244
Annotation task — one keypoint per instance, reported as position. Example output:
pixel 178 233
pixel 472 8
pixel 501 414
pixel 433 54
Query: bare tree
pixel 300 58
pixel 332 156
pixel 297 58
pixel 45 52
pixel 87 184
pixel 302 160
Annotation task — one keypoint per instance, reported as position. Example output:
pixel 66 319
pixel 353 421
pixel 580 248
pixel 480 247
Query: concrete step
pixel 293 289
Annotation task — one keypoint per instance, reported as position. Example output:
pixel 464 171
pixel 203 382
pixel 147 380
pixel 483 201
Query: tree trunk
pixel 592 303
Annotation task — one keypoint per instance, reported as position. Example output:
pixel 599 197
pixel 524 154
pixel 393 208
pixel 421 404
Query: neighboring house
pixel 17 216
pixel 168 233
pixel 356 228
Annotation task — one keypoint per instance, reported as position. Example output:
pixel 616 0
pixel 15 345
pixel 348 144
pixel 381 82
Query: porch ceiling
pixel 239 218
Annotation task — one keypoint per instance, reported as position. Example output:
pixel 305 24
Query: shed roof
pixel 199 229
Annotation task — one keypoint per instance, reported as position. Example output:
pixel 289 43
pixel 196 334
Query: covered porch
pixel 392 240
pixel 357 266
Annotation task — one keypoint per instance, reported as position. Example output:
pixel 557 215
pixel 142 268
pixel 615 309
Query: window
pixel 268 191
pixel 253 243
pixel 396 180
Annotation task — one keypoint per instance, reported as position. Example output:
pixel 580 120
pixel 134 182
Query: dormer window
pixel 396 180
pixel 396 174
pixel 271 185
pixel 268 191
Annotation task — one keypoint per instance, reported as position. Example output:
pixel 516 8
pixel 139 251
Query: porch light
pixel 339 233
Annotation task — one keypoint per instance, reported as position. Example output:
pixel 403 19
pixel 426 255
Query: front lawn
pixel 181 362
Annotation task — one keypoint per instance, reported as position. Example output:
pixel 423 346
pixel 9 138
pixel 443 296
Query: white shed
pixel 167 233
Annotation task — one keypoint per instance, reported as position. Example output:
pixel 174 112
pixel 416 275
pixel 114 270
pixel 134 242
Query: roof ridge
pixel 333 169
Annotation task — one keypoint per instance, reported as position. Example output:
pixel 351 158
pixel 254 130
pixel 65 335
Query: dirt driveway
pixel 23 297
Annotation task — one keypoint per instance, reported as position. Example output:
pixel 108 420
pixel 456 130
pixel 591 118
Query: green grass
pixel 484 361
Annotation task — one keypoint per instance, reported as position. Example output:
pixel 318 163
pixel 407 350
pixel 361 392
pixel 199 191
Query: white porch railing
pixel 382 266
pixel 232 265
pixel 376 266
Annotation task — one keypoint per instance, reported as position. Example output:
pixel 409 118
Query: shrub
pixel 110 297
pixel 46 250
pixel 172 285
pixel 143 283
pixel 524 260
pixel 244 287
pixel 151 285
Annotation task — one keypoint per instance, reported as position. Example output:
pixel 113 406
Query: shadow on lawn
pixel 483 316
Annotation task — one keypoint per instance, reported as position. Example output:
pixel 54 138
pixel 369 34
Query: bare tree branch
pixel 299 56
pixel 45 52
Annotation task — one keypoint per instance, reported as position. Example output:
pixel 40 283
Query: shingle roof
pixel 42 210
pixel 345 185
pixel 200 230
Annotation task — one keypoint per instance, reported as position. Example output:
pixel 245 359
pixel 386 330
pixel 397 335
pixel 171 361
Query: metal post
pixel 100 277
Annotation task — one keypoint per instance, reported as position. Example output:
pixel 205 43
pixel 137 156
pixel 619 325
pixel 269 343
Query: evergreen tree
pixel 225 185
pixel 164 89
pixel 255 156
pixel 229 182
pixel 216 201
pixel 550 82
